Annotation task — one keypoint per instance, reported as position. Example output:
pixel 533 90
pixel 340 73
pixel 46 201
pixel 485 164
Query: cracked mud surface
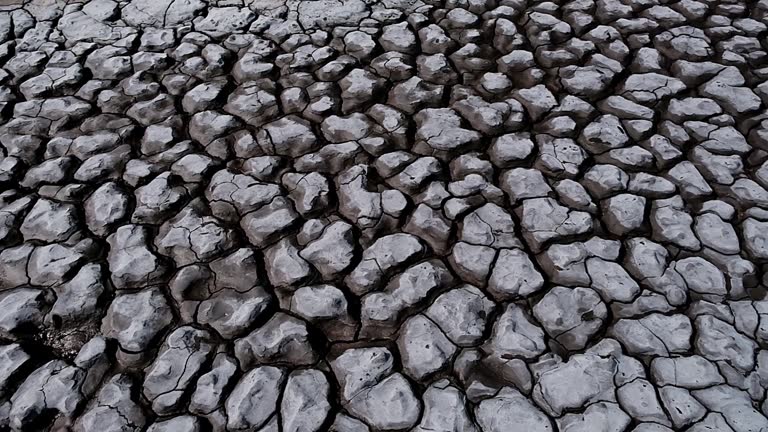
pixel 395 215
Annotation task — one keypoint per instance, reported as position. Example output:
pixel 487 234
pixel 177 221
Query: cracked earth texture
pixel 384 215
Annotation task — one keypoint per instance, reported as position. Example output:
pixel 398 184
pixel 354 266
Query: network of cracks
pixel 394 215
